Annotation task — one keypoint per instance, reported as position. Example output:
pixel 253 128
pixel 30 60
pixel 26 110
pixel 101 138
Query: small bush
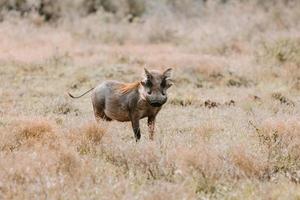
pixel 249 164
pixel 68 163
pixel 238 81
pixel 52 10
pixel 87 137
pixel 93 132
pixel 281 51
pixel 34 129
pixel 282 99
pixel 280 140
pixel 28 132
pixel 202 162
pixel 187 101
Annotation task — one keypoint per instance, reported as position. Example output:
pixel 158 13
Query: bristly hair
pixel 128 87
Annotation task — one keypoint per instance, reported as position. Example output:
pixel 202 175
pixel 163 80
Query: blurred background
pixel 210 43
pixel 211 26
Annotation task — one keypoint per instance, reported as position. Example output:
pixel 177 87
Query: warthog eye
pixel 163 83
pixel 148 86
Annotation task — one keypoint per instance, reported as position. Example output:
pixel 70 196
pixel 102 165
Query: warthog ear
pixel 168 82
pixel 148 75
pixel 167 74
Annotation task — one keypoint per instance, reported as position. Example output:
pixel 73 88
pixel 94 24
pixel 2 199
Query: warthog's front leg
pixel 151 126
pixel 135 122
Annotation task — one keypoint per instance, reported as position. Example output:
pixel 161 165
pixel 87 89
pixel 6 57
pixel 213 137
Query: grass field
pixel 230 129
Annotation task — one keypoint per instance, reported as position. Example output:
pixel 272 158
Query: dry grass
pixel 230 129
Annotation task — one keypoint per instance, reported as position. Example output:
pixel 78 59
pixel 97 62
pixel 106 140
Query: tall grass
pixel 230 129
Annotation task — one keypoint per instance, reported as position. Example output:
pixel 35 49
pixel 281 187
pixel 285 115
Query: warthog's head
pixel 155 85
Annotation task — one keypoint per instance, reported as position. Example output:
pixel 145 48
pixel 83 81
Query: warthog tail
pixel 76 97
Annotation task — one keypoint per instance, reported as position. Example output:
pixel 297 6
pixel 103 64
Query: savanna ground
pixel 230 129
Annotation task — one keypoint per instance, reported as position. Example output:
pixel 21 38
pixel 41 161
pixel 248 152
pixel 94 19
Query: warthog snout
pixel 156 100
pixel 156 104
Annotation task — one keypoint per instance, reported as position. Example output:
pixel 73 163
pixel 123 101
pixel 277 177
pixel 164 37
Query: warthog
pixel 113 100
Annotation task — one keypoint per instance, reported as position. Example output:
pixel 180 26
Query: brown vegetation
pixel 230 129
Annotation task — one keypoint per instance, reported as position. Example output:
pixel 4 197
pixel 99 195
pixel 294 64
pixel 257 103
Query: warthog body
pixel 113 100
